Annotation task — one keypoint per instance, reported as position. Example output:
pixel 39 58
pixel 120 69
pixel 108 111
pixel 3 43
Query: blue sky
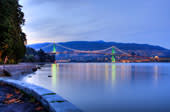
pixel 133 21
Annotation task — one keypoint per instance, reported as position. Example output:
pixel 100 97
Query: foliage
pixel 12 38
pixel 37 56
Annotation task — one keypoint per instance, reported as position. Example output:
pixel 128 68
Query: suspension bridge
pixel 112 52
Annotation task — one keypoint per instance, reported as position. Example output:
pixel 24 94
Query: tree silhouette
pixel 12 38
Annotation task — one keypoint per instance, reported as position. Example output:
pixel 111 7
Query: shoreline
pixel 51 101
pixel 18 70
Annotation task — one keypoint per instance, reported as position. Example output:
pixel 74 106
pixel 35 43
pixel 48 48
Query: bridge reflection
pixel 113 72
pixel 55 73
pixel 109 72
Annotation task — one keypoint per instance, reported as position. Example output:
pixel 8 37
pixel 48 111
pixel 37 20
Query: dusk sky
pixel 139 21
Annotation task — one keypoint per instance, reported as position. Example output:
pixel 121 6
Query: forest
pixel 12 38
pixel 37 56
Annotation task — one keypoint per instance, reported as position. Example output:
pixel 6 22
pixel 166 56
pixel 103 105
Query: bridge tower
pixel 54 51
pixel 113 57
pixel 54 48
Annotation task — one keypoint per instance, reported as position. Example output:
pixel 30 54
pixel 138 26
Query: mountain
pixel 140 49
pixel 38 45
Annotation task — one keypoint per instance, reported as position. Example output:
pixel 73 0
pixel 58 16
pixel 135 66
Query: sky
pixel 127 21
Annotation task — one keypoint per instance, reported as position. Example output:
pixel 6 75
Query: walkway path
pixel 13 100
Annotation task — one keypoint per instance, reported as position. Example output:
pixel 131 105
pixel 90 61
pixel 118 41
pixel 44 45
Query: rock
pixel 29 76
pixel 38 67
pixel 6 73
pixel 34 69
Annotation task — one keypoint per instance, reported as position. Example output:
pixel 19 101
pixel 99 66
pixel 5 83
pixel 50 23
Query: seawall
pixel 50 100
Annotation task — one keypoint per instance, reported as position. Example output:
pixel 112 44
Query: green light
pixel 54 74
pixel 113 72
pixel 113 50
pixel 113 58
pixel 54 48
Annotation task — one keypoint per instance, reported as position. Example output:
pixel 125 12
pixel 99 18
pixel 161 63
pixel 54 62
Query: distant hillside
pixel 38 45
pixel 140 49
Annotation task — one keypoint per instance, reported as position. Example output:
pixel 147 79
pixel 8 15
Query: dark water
pixel 96 87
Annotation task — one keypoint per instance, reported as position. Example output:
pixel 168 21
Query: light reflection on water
pixel 107 87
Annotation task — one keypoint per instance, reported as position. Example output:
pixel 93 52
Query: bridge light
pixel 156 58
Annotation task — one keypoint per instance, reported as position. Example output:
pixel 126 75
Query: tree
pixel 12 38
pixel 42 55
pixel 133 53
pixel 37 56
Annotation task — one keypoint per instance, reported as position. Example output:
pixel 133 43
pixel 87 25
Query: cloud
pixel 142 21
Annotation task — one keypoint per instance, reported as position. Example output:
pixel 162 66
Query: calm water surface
pixel 106 87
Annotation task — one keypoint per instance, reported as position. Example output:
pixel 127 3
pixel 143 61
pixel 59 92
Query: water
pixel 106 87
